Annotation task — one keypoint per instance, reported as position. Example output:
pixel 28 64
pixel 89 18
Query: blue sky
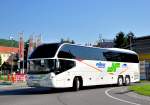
pixel 80 20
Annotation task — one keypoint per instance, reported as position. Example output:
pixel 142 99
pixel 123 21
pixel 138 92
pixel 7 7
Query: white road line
pixel 106 92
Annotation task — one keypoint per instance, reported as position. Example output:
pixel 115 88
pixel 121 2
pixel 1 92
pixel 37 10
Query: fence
pixel 13 78
pixel 145 70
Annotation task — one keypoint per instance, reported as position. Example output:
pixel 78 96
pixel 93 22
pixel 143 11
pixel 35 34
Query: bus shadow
pixel 31 91
pixel 39 91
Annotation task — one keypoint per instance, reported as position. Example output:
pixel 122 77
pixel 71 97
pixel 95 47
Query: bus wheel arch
pixel 77 83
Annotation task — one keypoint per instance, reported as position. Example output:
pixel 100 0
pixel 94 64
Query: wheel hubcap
pixel 120 81
pixel 127 80
pixel 78 84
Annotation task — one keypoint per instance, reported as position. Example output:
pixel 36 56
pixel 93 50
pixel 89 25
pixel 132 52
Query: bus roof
pixel 113 49
pixel 122 50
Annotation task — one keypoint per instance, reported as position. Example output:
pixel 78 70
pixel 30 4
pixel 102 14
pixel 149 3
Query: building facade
pixel 7 52
pixel 142 46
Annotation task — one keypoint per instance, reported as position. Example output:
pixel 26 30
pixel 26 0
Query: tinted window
pixel 44 51
pixel 130 58
pixel 65 65
pixel 112 56
pixel 120 57
pixel 65 52
pixel 86 53
pixel 42 66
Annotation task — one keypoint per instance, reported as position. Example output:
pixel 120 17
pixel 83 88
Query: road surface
pixel 102 95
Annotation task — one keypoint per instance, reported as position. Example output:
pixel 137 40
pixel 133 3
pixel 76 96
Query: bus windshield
pixel 44 51
pixel 42 66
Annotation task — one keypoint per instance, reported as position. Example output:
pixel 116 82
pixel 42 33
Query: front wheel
pixel 76 84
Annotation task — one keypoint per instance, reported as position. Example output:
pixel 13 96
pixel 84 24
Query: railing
pixel 145 70
pixel 14 78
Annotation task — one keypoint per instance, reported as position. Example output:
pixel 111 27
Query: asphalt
pixel 88 96
pixel 122 93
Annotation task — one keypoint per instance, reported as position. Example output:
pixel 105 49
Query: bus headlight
pixel 52 75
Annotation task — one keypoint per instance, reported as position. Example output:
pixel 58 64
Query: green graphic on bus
pixel 113 67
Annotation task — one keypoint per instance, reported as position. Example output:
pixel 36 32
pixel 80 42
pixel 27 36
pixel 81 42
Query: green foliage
pixel 124 41
pixel 8 43
pixel 130 37
pixel 120 41
pixel 141 89
pixel 67 41
pixel 25 54
pixel 26 45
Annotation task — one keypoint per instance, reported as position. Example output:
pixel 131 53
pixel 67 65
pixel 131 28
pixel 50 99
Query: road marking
pixel 106 92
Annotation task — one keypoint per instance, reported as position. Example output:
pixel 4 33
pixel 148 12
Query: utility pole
pixel 131 39
pixel 21 50
pixel 130 42
pixel 100 40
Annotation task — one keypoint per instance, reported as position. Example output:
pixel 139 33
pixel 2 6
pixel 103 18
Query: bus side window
pixel 65 65
pixel 65 53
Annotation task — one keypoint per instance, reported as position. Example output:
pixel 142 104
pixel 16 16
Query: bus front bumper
pixel 39 83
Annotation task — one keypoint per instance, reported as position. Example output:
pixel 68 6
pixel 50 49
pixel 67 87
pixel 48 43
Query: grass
pixel 144 81
pixel 141 89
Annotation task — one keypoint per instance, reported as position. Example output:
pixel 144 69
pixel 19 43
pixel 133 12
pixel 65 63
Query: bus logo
pixel 100 65
pixel 113 67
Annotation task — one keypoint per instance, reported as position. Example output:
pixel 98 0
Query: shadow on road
pixel 38 91
pixel 124 92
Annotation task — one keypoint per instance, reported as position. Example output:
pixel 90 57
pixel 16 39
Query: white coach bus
pixel 66 65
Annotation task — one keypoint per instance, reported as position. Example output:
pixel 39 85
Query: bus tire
pixel 76 84
pixel 120 81
pixel 127 81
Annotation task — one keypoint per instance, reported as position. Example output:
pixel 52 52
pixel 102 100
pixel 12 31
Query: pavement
pixel 88 96
pixel 19 93
pixel 124 95
pixel 10 85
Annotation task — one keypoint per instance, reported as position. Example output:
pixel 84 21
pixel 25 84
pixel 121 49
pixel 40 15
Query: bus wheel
pixel 76 84
pixel 120 81
pixel 127 81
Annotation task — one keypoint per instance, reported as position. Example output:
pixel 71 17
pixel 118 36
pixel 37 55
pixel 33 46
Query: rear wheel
pixel 120 81
pixel 76 84
pixel 127 81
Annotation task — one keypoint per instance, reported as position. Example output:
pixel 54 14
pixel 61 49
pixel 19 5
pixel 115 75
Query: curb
pixel 14 86
pixel 5 83
pixel 135 95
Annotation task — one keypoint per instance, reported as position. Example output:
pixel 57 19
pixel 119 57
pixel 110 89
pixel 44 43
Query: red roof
pixel 4 49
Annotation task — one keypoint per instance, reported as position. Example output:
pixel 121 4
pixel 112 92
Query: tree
pixel 26 46
pixel 67 41
pixel 121 40
pixel 8 43
pixel 0 61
